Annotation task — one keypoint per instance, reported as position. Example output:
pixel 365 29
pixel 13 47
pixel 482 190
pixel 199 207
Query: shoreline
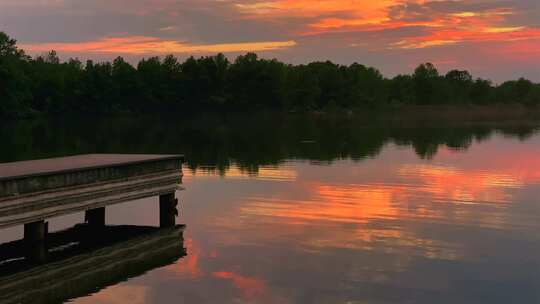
pixel 458 113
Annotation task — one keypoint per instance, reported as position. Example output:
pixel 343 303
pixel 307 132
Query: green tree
pixel 460 83
pixel 15 92
pixel 254 82
pixel 125 85
pixel 425 80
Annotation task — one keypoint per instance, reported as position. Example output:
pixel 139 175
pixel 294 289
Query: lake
pixel 323 208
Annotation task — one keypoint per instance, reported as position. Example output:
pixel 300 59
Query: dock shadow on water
pixel 280 209
pixel 84 260
pixel 54 267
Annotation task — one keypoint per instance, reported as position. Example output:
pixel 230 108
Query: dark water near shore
pixel 324 209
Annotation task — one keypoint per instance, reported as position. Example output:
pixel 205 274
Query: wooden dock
pixel 36 190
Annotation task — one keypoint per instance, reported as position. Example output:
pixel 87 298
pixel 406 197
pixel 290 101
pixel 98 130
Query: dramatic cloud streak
pixel 140 45
pixel 440 22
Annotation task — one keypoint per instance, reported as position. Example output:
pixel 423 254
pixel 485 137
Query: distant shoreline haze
pixel 45 85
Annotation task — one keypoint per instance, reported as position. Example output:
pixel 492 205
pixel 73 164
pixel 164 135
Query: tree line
pixel 46 85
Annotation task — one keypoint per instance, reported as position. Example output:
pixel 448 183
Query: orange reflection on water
pixel 262 173
pixel 334 203
pixel 250 287
pixel 358 217
pixel 455 185
pixel 189 265
pixel 375 215
pixel 118 294
pixel 389 239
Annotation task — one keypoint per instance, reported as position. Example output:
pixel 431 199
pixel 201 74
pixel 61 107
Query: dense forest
pixel 46 85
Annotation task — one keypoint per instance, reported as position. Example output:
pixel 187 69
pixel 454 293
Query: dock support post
pixel 95 217
pixel 167 210
pixel 35 236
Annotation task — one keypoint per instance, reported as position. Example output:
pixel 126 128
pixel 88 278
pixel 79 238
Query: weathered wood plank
pixel 73 163
pixel 102 180
pixel 41 175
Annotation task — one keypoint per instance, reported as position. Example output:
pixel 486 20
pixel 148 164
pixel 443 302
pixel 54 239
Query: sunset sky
pixel 494 39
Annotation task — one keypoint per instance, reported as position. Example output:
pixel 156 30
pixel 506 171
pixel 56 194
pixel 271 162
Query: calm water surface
pixel 314 210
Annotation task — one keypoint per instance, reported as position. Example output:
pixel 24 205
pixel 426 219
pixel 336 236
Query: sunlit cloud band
pixel 140 45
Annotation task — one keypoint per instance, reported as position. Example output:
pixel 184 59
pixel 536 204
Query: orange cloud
pixel 138 45
pixel 351 13
pixel 443 28
pixel 310 8
pixel 487 34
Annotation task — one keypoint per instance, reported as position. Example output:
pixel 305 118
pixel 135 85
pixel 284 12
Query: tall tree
pixel 15 92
